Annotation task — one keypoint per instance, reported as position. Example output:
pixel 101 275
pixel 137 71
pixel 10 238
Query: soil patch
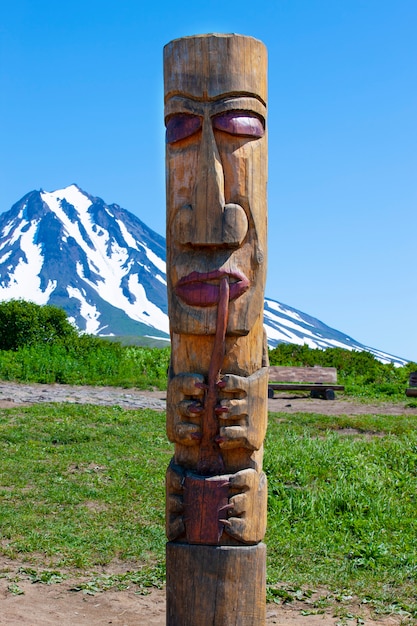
pixel 37 604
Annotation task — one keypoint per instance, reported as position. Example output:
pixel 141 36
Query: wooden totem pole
pixel 216 491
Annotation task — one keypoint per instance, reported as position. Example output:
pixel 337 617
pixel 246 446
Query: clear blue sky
pixel 81 101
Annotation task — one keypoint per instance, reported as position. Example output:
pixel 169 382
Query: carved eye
pixel 241 123
pixel 181 126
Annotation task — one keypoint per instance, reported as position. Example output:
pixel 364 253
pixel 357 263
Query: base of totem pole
pixel 215 585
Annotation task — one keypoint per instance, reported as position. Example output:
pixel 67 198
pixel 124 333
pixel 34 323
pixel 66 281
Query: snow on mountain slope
pixel 288 325
pixel 107 269
pixel 71 249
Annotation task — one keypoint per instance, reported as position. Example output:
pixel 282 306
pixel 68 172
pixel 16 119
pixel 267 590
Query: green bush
pixel 26 323
pixel 39 344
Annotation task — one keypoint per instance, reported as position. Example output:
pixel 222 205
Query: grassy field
pixel 83 486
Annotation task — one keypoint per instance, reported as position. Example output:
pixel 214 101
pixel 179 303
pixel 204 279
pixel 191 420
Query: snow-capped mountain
pixel 99 262
pixel 107 270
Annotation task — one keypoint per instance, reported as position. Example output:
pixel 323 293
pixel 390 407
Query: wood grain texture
pixel 227 587
pixel 314 374
pixel 193 66
pixel 216 161
pixel 216 181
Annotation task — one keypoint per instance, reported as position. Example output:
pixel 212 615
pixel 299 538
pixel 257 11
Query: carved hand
pixel 184 406
pixel 174 518
pixel 247 517
pixel 243 410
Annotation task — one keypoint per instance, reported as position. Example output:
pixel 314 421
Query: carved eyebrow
pixel 182 125
pixel 182 104
pixel 241 123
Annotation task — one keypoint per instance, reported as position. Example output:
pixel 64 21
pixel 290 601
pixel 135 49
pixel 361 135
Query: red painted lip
pixel 203 288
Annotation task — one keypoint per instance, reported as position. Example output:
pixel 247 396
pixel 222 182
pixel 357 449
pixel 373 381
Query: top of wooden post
pixel 212 65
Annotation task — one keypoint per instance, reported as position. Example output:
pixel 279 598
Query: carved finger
pixel 234 384
pixel 175 528
pixel 175 504
pixel 235 408
pixel 232 437
pixel 245 479
pixel 187 433
pixel 174 478
pixel 185 385
pixel 239 503
pixel 237 527
pixel 190 408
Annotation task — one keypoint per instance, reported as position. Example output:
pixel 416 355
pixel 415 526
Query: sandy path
pixel 12 394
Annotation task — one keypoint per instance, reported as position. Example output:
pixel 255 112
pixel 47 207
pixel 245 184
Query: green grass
pixel 87 361
pixel 342 505
pixel 83 486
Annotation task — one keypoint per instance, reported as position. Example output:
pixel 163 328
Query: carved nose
pixel 209 221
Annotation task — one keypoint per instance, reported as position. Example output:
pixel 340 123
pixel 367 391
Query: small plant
pixel 14 589
pixel 142 580
pixel 46 577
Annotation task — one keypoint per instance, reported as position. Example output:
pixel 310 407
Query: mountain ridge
pixel 107 269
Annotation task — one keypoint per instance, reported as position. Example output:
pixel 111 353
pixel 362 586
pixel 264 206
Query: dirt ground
pixel 23 602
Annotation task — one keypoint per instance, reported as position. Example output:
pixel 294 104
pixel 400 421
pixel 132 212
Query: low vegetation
pixel 38 344
pixel 87 361
pixel 83 486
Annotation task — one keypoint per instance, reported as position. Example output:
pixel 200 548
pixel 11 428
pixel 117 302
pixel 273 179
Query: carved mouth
pixel 203 289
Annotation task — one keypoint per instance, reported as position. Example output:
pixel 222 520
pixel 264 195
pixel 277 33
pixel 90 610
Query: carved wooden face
pixel 216 201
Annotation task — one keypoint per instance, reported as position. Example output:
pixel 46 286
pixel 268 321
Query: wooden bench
pixel 412 389
pixel 319 381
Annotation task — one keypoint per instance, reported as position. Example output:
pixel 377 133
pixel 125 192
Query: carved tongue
pixel 210 461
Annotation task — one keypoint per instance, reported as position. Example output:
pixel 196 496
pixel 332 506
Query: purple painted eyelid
pixel 238 123
pixel 181 126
